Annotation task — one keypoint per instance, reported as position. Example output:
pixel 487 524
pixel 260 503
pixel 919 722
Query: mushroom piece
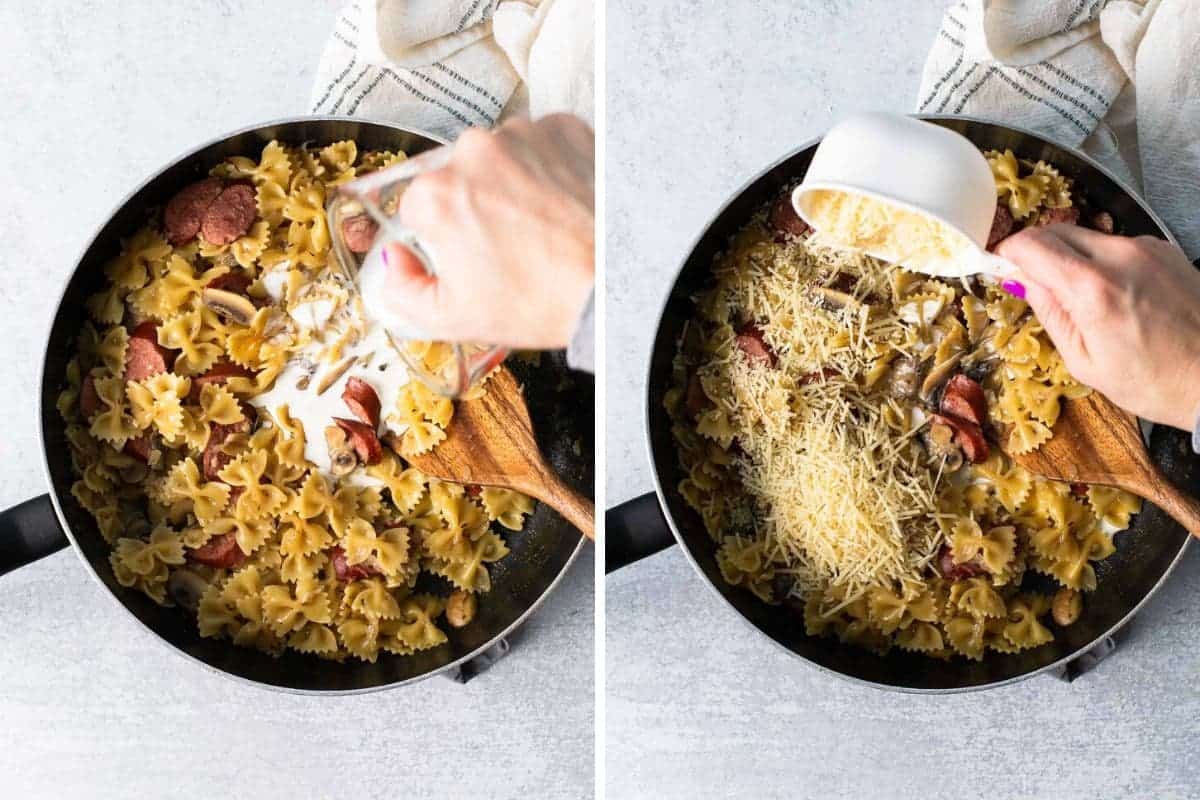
pixel 229 305
pixel 460 608
pixel 134 473
pixel 904 379
pixel 342 458
pixel 186 588
pixel 938 376
pixel 1066 606
pixel 939 440
pixel 834 299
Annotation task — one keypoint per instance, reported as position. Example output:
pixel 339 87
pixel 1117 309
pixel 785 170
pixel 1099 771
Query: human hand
pixel 510 225
pixel 1123 312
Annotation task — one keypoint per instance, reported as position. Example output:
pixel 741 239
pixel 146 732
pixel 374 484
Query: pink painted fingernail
pixel 385 258
pixel 1015 288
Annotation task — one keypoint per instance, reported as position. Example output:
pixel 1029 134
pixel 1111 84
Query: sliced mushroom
pixel 229 305
pixel 904 379
pixel 134 473
pixel 939 440
pixel 938 376
pixel 331 377
pixel 835 300
pixel 1066 606
pixel 460 608
pixel 922 311
pixel 342 458
pixel 186 588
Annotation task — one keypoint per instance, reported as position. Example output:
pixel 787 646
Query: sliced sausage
pixel 957 572
pixel 89 401
pixel 363 439
pixel 348 572
pixel 1002 225
pixel 1079 489
pixel 214 460
pixel 967 435
pixel 750 341
pixel 359 232
pixel 964 398
pixel 1103 222
pixel 783 220
pixel 360 397
pixel 185 211
pixel 139 448
pixel 819 376
pixel 220 372
pixel 219 552
pixel 145 356
pixel 236 282
pixel 1050 216
pixel 230 215
pixel 474 490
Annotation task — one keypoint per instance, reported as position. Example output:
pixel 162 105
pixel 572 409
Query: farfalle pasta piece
pixel 1114 507
pixel 218 405
pixel 158 401
pixel 284 613
pixel 506 507
pixel 976 597
pixel 257 499
pixel 314 497
pixel 1022 629
pixel 371 599
pixel 208 499
pixel 111 424
pixel 315 639
pixel 415 629
pixel 920 637
pixel 966 635
pixel 198 347
pixel 111 349
pixel 360 637
pixel 107 306
pixel 214 616
pixel 406 486
pixel 1022 194
pixel 993 549
pixel 301 536
pixel 470 574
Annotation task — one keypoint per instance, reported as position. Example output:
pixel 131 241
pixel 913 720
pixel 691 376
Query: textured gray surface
pixel 97 95
pixel 698 705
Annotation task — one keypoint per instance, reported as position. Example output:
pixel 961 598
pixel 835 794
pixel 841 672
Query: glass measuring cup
pixel 363 218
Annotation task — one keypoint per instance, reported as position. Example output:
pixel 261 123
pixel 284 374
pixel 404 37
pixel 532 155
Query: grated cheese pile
pixel 846 499
pixel 904 237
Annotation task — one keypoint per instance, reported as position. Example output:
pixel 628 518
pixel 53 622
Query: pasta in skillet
pixel 201 476
pixel 832 416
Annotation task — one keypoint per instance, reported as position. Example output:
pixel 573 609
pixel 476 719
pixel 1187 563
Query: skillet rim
pixel 283 123
pixel 660 493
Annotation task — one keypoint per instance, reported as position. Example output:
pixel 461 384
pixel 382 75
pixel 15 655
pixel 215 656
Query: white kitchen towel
pixel 1121 78
pixel 445 65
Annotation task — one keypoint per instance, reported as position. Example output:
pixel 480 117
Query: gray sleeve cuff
pixel 580 352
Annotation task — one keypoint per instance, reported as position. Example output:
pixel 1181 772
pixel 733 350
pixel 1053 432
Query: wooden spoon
pixel 490 442
pixel 1094 441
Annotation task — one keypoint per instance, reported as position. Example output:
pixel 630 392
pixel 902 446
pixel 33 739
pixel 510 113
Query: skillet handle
pixel 29 531
pixel 634 530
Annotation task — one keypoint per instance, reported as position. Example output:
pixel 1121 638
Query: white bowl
pixel 915 165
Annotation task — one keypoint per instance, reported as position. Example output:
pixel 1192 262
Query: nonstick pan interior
pixel 560 402
pixel 1145 553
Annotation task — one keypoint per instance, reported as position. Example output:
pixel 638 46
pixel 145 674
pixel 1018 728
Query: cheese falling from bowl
pixel 910 239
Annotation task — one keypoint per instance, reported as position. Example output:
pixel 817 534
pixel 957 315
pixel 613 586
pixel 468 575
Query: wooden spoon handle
pixel 574 507
pixel 1182 508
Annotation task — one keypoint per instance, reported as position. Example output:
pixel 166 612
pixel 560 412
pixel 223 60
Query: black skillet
pixel 1145 555
pixel 560 401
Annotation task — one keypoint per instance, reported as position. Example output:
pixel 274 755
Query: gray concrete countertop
pixel 97 95
pixel 698 705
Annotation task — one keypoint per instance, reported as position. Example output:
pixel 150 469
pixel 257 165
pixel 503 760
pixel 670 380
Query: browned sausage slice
pixel 214 460
pixel 236 282
pixel 230 215
pixel 219 552
pixel 359 232
pixel 347 572
pixel 1002 226
pixel 964 398
pixel 145 356
pixel 139 448
pixel 750 341
pixel 362 438
pixel 1103 222
pixel 220 372
pixel 360 397
pixel 957 572
pixel 89 401
pixel 967 435
pixel 1050 216
pixel 696 399
pixel 185 211
pixel 783 220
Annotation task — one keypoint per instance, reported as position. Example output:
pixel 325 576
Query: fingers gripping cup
pixel 904 191
pixel 363 220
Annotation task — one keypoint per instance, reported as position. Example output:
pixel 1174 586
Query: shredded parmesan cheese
pixel 904 237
